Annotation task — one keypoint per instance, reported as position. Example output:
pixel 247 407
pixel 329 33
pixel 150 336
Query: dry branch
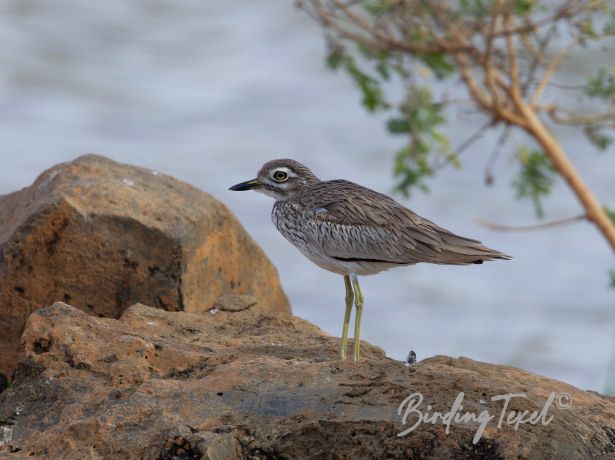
pixel 474 47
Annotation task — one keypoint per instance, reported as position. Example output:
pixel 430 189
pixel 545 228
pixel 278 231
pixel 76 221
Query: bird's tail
pixel 458 250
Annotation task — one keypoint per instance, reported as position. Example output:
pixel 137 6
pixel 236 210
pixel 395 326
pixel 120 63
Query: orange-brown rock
pixel 103 236
pixel 248 384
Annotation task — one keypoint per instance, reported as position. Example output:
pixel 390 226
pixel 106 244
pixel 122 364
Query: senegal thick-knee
pixel 352 230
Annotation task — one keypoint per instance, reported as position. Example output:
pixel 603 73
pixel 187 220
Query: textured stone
pixel 234 302
pixel 102 236
pixel 250 384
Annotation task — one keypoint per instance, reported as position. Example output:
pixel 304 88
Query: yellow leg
pixel 358 302
pixel 349 300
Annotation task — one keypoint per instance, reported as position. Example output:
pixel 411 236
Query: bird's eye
pixel 280 176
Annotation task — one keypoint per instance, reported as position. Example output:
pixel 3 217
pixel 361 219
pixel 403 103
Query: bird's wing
pixel 352 222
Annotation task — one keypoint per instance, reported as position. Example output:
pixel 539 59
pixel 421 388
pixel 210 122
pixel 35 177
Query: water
pixel 208 91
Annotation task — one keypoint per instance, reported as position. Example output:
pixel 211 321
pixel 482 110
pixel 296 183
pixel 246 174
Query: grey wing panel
pixel 349 203
pixel 364 242
pixel 349 221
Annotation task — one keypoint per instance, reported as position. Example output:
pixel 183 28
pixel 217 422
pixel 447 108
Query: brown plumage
pixel 352 230
pixel 346 221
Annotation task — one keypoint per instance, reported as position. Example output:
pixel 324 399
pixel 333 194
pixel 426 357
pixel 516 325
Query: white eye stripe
pixel 284 169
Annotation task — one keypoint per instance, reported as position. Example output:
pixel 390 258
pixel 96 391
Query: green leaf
pixel 602 85
pixel 441 141
pixel 420 117
pixel 474 8
pixel 535 179
pixel 423 113
pixel 522 7
pixel 377 7
pixel 587 28
pixel 398 126
pixel 439 63
pixel 611 214
pixel 382 59
pixel 597 137
pixel 411 169
pixel 335 57
pixel 371 91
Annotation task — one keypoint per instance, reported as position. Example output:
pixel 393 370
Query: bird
pixel 354 231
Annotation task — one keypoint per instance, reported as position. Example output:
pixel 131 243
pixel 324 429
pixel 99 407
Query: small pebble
pixel 411 359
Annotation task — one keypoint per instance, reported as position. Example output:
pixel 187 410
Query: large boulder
pixel 243 383
pixel 102 236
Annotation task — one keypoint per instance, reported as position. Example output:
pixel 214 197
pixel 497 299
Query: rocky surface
pixel 246 383
pixel 103 236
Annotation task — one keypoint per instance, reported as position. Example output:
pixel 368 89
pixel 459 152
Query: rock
pixel 250 384
pixel 234 302
pixel 102 236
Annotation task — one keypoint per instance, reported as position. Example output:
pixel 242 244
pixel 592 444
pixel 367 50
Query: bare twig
pixel 468 142
pixel 537 55
pixel 495 154
pixel 525 228
pixel 550 71
pixel 565 117
pixel 489 67
pixel 391 42
pixel 468 77
pixel 562 86
pixel 513 71
pixel 539 58
pixel 473 138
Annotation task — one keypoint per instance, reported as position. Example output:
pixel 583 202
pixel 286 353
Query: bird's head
pixel 280 179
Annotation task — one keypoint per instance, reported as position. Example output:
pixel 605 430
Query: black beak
pixel 247 185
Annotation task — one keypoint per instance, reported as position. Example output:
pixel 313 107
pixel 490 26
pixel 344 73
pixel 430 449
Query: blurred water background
pixel 207 91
